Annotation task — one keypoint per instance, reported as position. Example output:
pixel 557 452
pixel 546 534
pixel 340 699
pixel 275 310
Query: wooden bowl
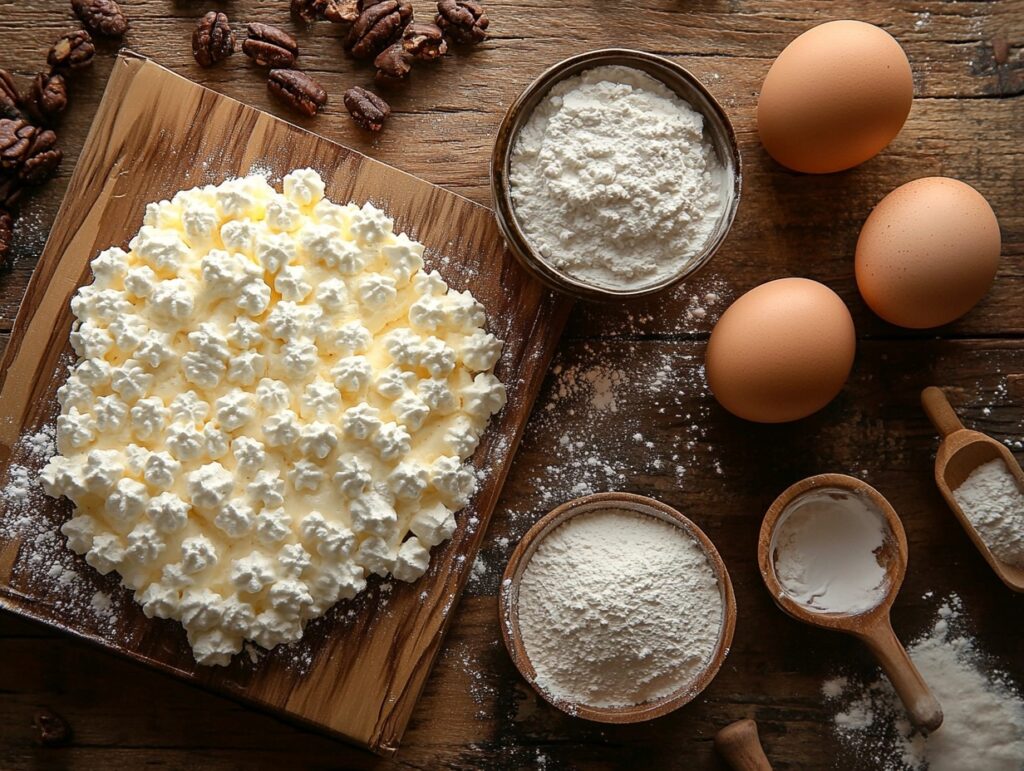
pixel 718 128
pixel 508 605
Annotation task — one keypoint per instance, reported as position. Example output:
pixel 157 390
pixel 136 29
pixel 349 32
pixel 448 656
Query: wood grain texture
pixel 476 712
pixel 361 673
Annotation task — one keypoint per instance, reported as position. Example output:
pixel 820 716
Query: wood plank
pixel 359 675
pixel 476 712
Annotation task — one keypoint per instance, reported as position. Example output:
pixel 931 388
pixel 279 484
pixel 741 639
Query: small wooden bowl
pixel 718 128
pixel 872 626
pixel 508 605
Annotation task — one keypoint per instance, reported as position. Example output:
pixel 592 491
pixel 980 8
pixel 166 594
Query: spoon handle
pixel 940 411
pixel 740 745
pixel 921 705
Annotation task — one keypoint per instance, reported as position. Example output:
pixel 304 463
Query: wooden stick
pixel 740 745
pixel 940 411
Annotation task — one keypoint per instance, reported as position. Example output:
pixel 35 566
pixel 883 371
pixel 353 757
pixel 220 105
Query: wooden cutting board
pixel 358 672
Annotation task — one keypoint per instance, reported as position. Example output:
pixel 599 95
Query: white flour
pixel 618 608
pixel 994 503
pixel 825 552
pixel 612 179
pixel 983 724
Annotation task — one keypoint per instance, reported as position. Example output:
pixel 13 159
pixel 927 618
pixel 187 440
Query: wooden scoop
pixel 872 626
pixel 741 747
pixel 960 453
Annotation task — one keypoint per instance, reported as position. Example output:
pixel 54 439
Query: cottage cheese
pixel 272 400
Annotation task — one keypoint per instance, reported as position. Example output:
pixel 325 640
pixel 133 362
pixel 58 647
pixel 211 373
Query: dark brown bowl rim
pixel 508 599
pixel 665 71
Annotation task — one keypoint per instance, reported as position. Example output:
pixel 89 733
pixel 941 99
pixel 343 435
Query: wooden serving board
pixel 358 672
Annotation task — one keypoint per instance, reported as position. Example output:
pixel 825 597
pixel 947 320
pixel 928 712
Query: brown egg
pixel 781 351
pixel 835 97
pixel 927 253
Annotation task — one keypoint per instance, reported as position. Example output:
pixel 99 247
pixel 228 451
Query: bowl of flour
pixel 617 608
pixel 615 175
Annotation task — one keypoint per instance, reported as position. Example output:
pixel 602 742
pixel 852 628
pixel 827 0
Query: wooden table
pixel 625 406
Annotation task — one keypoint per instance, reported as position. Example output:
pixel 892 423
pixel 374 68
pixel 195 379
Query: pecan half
pixel 377 27
pixel 341 11
pixel 424 41
pixel 393 64
pixel 367 109
pixel 297 90
pixel 16 137
pixel 212 39
pixel 9 99
pixel 42 159
pixel 101 17
pixel 6 238
pixel 269 46
pixel 47 97
pixel 72 51
pixel 463 21
pixel 53 729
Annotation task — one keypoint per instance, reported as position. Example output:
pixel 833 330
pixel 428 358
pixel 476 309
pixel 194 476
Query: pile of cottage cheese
pixel 271 401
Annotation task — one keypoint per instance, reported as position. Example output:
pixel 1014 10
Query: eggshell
pixel 927 253
pixel 781 351
pixel 835 97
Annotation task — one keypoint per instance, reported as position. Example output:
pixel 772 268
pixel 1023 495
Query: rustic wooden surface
pixel 966 122
pixel 360 673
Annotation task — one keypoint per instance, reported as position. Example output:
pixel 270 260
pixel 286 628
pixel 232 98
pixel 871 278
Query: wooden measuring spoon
pixel 741 747
pixel 872 626
pixel 960 452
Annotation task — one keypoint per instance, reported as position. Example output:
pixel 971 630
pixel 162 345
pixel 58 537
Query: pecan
pixel 213 39
pixel 16 137
pixel 297 90
pixel 378 26
pixel 393 64
pixel 42 159
pixel 53 730
pixel 270 47
pixel 72 51
pixel 6 237
pixel 463 21
pixel 341 11
pixel 47 97
pixel 425 41
pixel 102 17
pixel 9 99
pixel 367 109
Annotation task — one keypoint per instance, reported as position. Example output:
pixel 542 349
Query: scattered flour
pixel 618 608
pixel 983 725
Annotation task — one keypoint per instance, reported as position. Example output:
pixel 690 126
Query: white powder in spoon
pixel 618 608
pixel 994 503
pixel 825 551
pixel 613 179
